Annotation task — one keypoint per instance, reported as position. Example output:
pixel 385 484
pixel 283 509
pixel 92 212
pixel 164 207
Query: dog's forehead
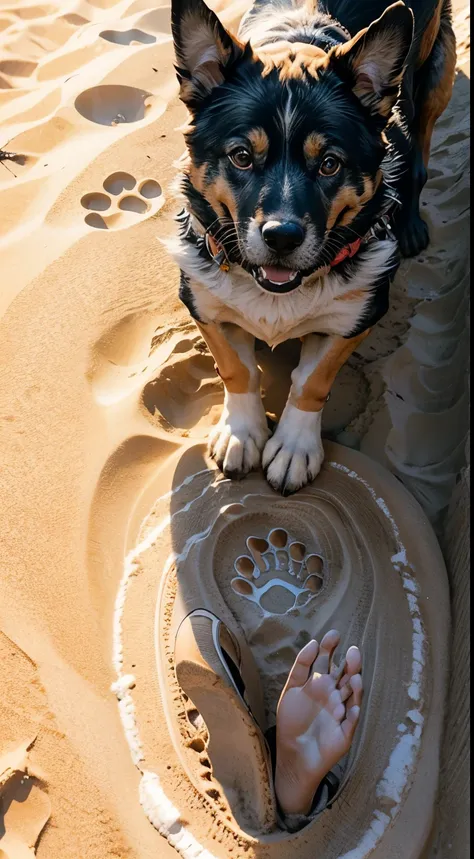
pixel 291 59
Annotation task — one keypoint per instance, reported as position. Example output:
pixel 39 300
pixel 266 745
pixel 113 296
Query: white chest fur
pixel 328 305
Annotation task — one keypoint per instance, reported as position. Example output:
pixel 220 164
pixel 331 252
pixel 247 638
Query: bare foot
pixel 317 715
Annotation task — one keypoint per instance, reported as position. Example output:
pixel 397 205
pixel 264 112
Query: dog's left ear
pixel 373 62
pixel 203 47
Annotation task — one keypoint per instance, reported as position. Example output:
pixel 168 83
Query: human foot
pixel 317 715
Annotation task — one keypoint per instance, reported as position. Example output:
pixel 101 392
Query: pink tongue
pixel 278 275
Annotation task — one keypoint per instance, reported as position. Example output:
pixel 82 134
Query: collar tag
pixel 216 251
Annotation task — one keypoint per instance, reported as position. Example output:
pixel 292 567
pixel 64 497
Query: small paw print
pixel 278 574
pixel 124 203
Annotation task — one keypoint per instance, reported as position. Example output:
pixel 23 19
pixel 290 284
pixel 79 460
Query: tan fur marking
pixel 429 36
pixel 438 98
pixel 386 103
pixel 350 296
pixel 314 145
pixel 259 141
pixel 198 176
pixel 347 197
pixel 292 59
pixel 369 188
pixel 363 89
pixel 318 385
pixel 233 372
pixel 218 193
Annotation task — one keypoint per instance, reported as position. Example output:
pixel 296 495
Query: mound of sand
pixel 277 572
pixel 105 382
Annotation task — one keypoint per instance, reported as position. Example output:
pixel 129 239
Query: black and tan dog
pixel 307 145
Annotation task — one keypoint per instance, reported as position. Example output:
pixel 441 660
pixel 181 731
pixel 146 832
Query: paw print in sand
pixel 278 575
pixel 124 203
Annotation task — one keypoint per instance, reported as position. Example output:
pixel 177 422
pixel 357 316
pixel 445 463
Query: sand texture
pixel 277 572
pixel 107 393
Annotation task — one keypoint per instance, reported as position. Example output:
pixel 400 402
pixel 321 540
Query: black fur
pixel 186 296
pixel 244 100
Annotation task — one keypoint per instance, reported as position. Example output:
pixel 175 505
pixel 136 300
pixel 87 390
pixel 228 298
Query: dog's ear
pixel 203 49
pixel 373 62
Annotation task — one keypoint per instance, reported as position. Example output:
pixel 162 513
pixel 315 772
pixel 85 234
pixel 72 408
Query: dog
pixel 307 146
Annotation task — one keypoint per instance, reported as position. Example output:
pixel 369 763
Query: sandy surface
pixel 105 385
pixel 375 582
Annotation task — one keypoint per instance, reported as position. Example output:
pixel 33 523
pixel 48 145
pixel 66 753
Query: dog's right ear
pixel 203 49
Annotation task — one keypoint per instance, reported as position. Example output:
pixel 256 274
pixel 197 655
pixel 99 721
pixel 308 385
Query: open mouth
pixel 277 279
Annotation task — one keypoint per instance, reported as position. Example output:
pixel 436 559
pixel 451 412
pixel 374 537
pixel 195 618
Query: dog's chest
pixel 320 307
pixel 328 305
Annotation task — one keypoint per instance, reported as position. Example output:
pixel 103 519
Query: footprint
pixel 278 575
pixel 113 104
pixel 150 189
pixel 25 805
pixel 118 182
pixel 127 37
pixel 133 204
pixel 128 207
pixel 97 202
pixel 95 220
pixel 186 395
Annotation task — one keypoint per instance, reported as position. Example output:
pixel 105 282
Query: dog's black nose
pixel 283 237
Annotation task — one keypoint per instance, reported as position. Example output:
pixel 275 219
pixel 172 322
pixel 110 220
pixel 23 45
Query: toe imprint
pixel 278 575
pixel 124 203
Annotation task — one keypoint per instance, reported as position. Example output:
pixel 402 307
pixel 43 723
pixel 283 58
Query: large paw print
pixel 278 574
pixel 124 203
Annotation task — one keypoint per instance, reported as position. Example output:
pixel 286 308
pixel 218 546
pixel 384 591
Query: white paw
pixel 236 443
pixel 294 455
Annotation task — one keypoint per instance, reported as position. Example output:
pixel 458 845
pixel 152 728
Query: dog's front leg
pixel 294 455
pixel 236 443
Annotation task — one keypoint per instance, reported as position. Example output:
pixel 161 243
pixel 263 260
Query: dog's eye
pixel 241 158
pixel 330 166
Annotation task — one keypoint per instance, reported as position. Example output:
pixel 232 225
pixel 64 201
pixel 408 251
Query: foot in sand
pixel 317 715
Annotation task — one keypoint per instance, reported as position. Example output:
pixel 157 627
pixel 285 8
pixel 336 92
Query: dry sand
pixel 106 395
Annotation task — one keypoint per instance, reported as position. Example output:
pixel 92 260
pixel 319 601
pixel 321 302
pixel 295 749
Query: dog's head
pixel 285 143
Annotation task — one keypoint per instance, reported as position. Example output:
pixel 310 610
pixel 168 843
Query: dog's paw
pixel 413 236
pixel 236 443
pixel 294 455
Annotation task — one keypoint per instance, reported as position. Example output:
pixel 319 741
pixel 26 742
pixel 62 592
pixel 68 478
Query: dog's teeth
pixel 290 275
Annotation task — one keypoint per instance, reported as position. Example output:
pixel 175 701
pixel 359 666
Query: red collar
pixel 348 251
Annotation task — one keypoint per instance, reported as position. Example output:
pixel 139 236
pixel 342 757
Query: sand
pixel 382 588
pixel 106 396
